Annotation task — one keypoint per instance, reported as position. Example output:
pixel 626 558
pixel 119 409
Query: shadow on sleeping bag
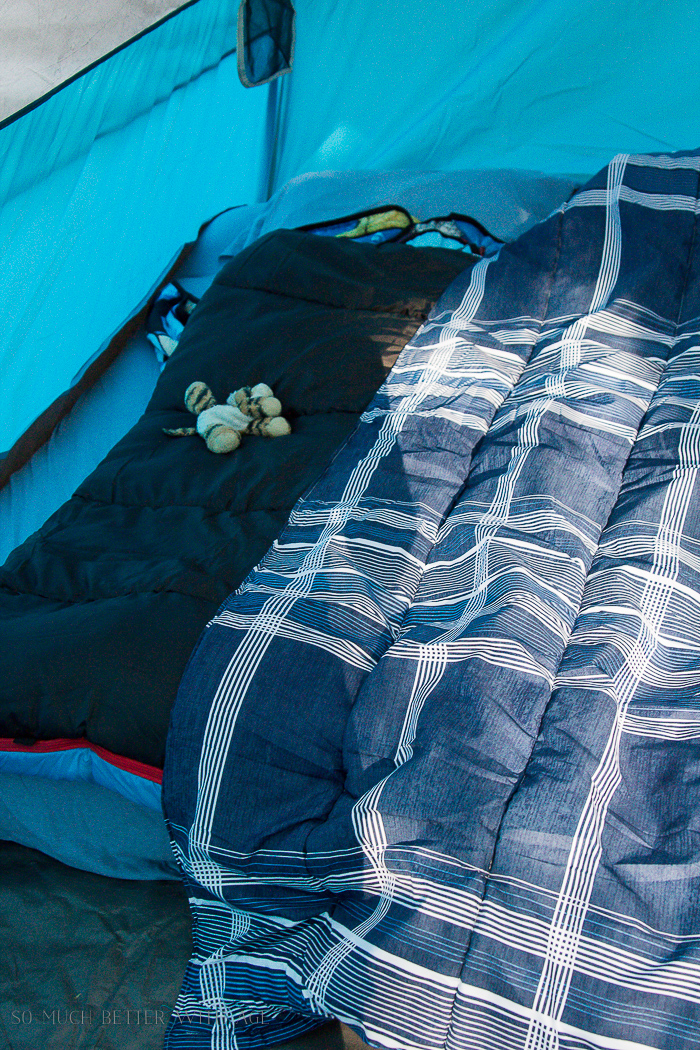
pixel 100 609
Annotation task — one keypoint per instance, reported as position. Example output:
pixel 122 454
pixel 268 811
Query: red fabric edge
pixel 129 765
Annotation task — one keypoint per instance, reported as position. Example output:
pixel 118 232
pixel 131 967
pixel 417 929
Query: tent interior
pixel 154 141
pixel 99 172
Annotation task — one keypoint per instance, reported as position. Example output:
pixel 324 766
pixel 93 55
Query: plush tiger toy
pixel 250 410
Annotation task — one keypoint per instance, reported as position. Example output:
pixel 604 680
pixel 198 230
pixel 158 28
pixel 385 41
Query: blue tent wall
pixel 101 184
pixel 547 85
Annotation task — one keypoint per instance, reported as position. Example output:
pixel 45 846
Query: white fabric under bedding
pixel 65 818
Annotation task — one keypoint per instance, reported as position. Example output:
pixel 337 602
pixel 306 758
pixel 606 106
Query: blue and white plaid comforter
pixel 435 768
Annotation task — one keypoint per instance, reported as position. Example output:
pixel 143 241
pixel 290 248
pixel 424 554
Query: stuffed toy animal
pixel 256 401
pixel 251 410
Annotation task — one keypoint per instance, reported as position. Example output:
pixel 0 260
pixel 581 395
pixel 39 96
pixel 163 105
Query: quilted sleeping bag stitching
pixel 105 603
pixel 462 815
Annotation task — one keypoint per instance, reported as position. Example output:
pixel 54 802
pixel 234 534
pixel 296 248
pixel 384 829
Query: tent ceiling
pixel 45 42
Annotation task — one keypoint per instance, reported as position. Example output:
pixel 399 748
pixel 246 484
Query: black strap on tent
pixel 265 40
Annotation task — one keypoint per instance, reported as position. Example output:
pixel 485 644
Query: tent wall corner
pixel 101 184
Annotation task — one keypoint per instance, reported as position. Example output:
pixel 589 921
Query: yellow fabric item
pixel 385 220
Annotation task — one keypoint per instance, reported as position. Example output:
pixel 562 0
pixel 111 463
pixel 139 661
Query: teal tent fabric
pixel 540 84
pixel 102 184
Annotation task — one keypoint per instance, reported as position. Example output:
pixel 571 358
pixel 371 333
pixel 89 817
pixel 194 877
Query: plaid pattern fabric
pixel 433 769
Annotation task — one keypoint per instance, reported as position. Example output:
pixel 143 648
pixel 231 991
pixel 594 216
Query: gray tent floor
pixel 94 962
